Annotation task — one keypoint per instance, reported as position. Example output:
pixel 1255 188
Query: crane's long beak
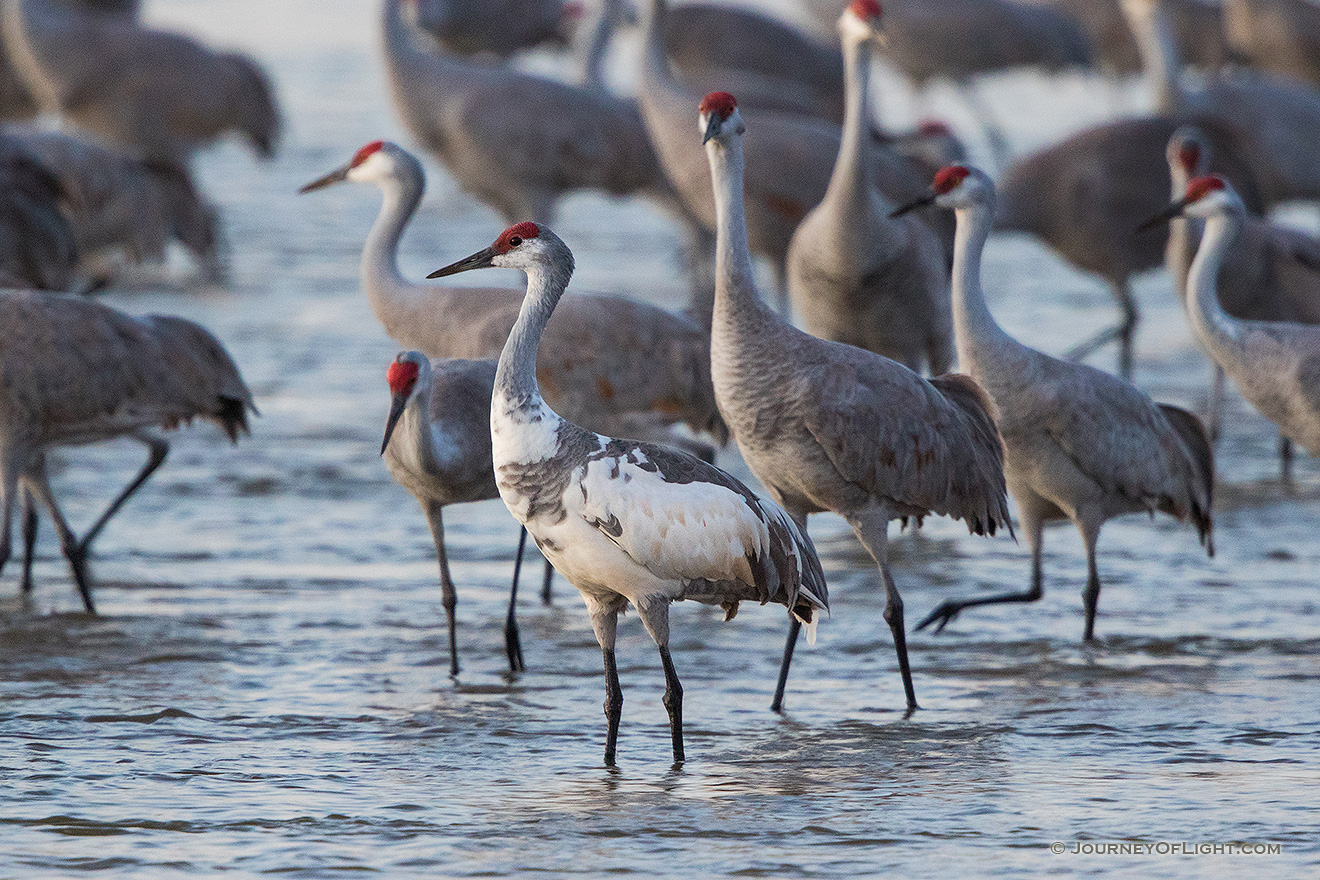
pixel 927 199
pixel 1163 216
pixel 397 405
pixel 482 259
pixel 713 126
pixel 339 175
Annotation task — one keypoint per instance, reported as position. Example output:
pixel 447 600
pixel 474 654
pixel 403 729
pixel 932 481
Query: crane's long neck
pixel 516 389
pixel 657 79
pixel 1160 58
pixel 974 327
pixel 401 48
pixel 1212 324
pixel 395 301
pixel 1182 234
pixel 413 440
pixel 738 307
pixel 608 16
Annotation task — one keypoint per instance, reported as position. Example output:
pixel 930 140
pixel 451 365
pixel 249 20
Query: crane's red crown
pixel 930 128
pixel 366 153
pixel 948 178
pixel 865 9
pixel 719 102
pixel 1189 155
pixel 514 236
pixel 1200 187
pixel 401 375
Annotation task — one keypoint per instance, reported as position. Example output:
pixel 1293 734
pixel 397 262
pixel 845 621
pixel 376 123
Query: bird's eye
pixel 515 241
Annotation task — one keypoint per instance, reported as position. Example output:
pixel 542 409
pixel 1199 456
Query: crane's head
pixel 718 118
pixel 1189 151
pixel 955 186
pixel 374 163
pixel 1206 196
pixel 932 143
pixel 407 375
pixel 527 246
pixel 861 23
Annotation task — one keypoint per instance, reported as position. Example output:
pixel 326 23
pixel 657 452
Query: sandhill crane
pixel 625 521
pixel 496 27
pixel 791 155
pixel 157 94
pixel 962 39
pixel 1282 116
pixel 1279 36
pixel 1275 364
pixel 854 274
pixel 1081 444
pixel 38 247
pixel 437 446
pixel 79 372
pixel 606 361
pixel 1271 273
pixel 1084 195
pixel 124 207
pixel 1196 26
pixel 826 426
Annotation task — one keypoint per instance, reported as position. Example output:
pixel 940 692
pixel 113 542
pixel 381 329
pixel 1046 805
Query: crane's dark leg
pixel 794 627
pixel 605 622
pixel 655 617
pixel 512 644
pixel 9 471
pixel 29 540
pixel 157 450
pixel 546 584
pixel 435 518
pixel 872 528
pixel 1286 462
pixel 74 550
pixel 1214 409
pixel 946 611
pixel 1123 332
pixel 1090 595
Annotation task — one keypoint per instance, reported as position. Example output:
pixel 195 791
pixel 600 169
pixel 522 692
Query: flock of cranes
pixel 760 141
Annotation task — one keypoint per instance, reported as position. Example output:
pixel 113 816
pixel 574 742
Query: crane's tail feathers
pixel 794 558
pixel 983 490
pixel 1201 457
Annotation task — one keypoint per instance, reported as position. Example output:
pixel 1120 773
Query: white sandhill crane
pixel 123 208
pixel 79 372
pixel 961 40
pixel 625 521
pixel 1081 444
pixel 1275 364
pixel 1272 273
pixel 854 274
pixel 791 155
pixel 495 27
pixel 1279 36
pixel 38 247
pixel 159 95
pixel 826 426
pixel 437 446
pixel 1085 194
pixel 1282 116
pixel 1196 26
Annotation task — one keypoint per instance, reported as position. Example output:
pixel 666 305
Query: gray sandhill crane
pixel 1282 116
pixel 826 426
pixel 79 372
pixel 1275 364
pixel 628 522
pixel 495 27
pixel 38 247
pixel 961 40
pixel 124 208
pixel 1081 444
pixel 1278 36
pixel 1196 26
pixel 791 155
pixel 1271 273
pixel 437 446
pixel 854 274
pixel 1084 195
pixel 159 95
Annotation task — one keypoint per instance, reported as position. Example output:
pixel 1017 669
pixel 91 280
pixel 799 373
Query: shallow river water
pixel 266 689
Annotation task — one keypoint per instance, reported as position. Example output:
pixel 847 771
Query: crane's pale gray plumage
pixel 606 361
pixel 1081 444
pixel 1275 364
pixel 160 95
pixel 1278 36
pixel 826 426
pixel 628 522
pixel 496 27
pixel 74 372
pixel 855 274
